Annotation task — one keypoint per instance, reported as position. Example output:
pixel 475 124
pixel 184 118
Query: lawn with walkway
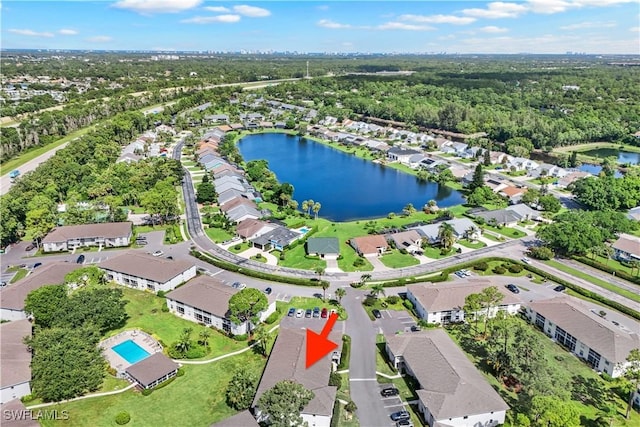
pixel 396 259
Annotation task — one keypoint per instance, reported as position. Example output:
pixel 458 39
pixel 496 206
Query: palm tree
pixel 377 290
pixel 310 204
pixel 305 205
pixel 470 232
pixel 325 286
pixel 340 293
pixel 184 342
pixel 408 209
pixel 204 337
pixel 364 279
pixel 316 208
pixel 446 236
pixel 262 336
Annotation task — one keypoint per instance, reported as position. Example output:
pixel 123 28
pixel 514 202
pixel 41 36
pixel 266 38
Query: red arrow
pixel 318 345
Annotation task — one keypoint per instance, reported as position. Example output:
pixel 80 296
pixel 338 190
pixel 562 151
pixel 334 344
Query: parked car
pixel 170 257
pixel 158 253
pixel 416 328
pixel 80 259
pixel 513 288
pixel 238 285
pixel 560 288
pixel 316 312
pixel 268 291
pixel 400 415
pixel 300 312
pixel 324 313
pixel 389 391
pixel 292 312
pixel 404 423
pixel 36 265
pixel 141 242
pixel 376 313
pixel 525 260
pixel 3 284
pixel 308 313
pixel 333 310
pixel 30 247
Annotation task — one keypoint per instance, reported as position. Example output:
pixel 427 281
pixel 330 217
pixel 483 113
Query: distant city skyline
pixel 531 26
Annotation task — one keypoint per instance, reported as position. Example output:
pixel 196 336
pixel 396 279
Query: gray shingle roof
pixel 152 368
pixel 628 243
pixel 108 230
pixel 501 216
pixel 241 419
pixel 449 296
pixel 145 266
pixel 323 245
pixel 205 293
pixel 15 355
pixel 240 211
pixel 280 235
pixel 451 386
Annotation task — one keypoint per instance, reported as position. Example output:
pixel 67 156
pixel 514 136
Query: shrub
pixel 444 251
pixel 359 262
pixel 174 353
pixel 370 301
pixel 111 371
pixel 147 391
pixel 242 337
pixel 335 380
pixel 272 318
pixel 346 350
pixel 408 304
pixel 541 252
pixel 515 268
pixel 161 294
pixel 123 417
pixel 258 256
pixel 393 299
pixel 282 256
pixel 237 247
pixel 351 407
pixel 165 309
pixel 180 372
pixel 481 266
pixel 356 284
pixel 499 270
pixel 195 352
pixel 403 251
pixel 27 398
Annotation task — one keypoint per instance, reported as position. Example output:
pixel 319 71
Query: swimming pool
pixel 130 351
pixel 304 230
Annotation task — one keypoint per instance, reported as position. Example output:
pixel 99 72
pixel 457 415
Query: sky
pixel 528 26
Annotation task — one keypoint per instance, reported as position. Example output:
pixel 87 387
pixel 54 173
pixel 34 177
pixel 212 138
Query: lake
pixel 622 156
pixel 348 187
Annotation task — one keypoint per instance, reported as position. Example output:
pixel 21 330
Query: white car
pixel 525 260
pixel 300 312
pixel 238 285
pixel 158 253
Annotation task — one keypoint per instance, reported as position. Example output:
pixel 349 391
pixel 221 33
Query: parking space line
pixel 363 379
pixel 391 406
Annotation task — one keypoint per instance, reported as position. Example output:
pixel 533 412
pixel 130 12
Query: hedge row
pixel 584 292
pixel 346 351
pixel 225 265
pixel 607 269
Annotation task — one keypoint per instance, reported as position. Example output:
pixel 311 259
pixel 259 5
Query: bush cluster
pixel 393 299
pixel 272 318
pixel 123 418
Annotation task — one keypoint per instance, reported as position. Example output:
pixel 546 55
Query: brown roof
pixel 152 368
pixel 369 244
pixel 249 227
pixel 205 293
pixel 145 266
pixel 13 296
pixel 601 335
pixel 512 191
pixel 287 362
pixel 628 243
pixel 223 167
pixel 225 128
pixel 241 419
pixel 107 230
pixel 237 202
pixel 16 406
pixel 16 358
pixel 450 386
pixel 442 297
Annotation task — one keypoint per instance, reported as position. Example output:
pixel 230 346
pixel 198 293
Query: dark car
pixel 268 291
pixel 559 288
pixel 404 423
pixel 389 391
pixel 30 247
pixel 292 312
pixel 324 313
pixel 170 257
pixel 316 312
pixel 400 415
pixel 37 264
pixel 416 328
pixel 308 313
pixel 513 288
pixel 376 313
pixel 80 259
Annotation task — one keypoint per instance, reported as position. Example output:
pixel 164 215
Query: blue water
pixel 595 169
pixel 304 230
pixel 623 157
pixel 347 187
pixel 130 351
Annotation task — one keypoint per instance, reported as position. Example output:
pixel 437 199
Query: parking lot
pixel 392 403
pixel 393 321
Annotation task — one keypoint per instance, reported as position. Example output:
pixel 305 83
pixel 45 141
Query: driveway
pixel 271 259
pixel 377 264
pixel 393 321
pixel 332 266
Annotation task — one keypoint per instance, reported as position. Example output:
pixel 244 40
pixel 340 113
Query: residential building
pixel 72 237
pixel 634 214
pixel 599 342
pixel 409 240
pixel 287 362
pixel 401 154
pixel 499 217
pixel 252 228
pixel 324 247
pixel 444 303
pixel 242 212
pixel 12 297
pixel 565 181
pixel 205 300
pixel 369 245
pixel 147 273
pixel 15 381
pixel 462 228
pixel 514 194
pixel 451 392
pixel 20 415
pixel 152 371
pixel 278 238
pixel 626 248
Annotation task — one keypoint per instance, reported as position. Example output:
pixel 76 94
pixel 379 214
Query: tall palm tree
pixel 365 278
pixel 204 337
pixel 340 293
pixel 305 206
pixel 310 204
pixel 377 290
pixel 325 286
pixel 262 336
pixel 446 236
pixel 316 208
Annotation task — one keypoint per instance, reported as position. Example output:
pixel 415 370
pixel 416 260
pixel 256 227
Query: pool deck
pixel 143 339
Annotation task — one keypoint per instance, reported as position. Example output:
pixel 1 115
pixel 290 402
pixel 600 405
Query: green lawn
pixel 434 252
pixel 494 264
pixel 297 258
pixel 135 209
pixel 505 231
pixel 145 312
pixel 382 362
pixel 137 229
pixel 615 264
pixel 218 235
pixel 239 247
pixel 491 237
pixel 396 259
pixel 598 282
pixel 20 274
pixel 195 399
pixel 469 244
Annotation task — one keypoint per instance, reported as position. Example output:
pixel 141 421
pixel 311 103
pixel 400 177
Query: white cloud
pixel 497 9
pixel 549 7
pixel 157 6
pixel 251 11
pixel 326 23
pixel 403 26
pixel 67 32
pixel 599 3
pixel 438 19
pixel 217 9
pixel 635 29
pixel 588 24
pixel 323 7
pixel 492 29
pixel 30 33
pixel 99 39
pixel 225 19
